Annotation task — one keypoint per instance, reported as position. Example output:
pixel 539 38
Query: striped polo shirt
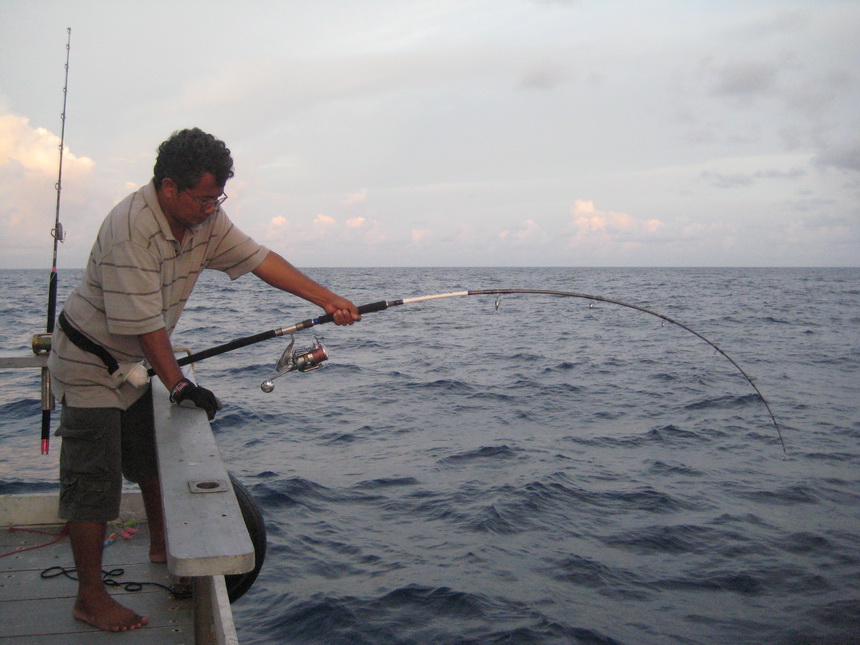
pixel 137 280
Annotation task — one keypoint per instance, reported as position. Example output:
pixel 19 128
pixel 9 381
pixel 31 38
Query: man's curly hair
pixel 189 154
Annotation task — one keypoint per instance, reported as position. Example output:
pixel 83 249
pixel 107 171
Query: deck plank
pixel 179 635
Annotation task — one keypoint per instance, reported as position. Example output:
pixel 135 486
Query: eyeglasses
pixel 206 204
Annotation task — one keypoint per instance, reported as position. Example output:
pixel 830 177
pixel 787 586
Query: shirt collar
pixel 150 196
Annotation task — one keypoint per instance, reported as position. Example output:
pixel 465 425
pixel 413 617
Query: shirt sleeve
pixel 235 253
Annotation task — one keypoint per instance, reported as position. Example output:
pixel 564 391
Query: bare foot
pixel 108 615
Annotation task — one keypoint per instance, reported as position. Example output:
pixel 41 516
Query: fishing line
pixel 304 360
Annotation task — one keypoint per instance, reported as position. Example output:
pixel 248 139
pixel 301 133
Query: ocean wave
pixel 484 452
pixel 674 538
pixel 20 408
pixel 744 583
pixel 18 487
pixel 724 402
pixel 417 613
pixel 673 470
pixel 386 482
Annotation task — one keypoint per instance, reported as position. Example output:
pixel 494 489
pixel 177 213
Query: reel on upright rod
pixel 300 360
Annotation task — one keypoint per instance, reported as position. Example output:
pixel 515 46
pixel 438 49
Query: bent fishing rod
pixel 59 236
pixel 309 359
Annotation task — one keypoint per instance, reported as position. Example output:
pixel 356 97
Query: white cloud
pixel 355 198
pixel 29 165
pixel 652 225
pixel 36 149
pixel 528 232
pixel 594 226
pixel 324 221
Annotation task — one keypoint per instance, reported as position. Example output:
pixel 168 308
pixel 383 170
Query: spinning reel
pixel 300 360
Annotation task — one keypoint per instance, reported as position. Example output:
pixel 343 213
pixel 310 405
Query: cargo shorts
pixel 100 446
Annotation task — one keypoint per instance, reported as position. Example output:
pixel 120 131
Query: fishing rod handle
pixel 369 308
pixel 222 349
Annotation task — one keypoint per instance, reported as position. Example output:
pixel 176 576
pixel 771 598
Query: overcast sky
pixel 451 132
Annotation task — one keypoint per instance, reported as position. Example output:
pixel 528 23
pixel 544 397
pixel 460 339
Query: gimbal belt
pixel 84 343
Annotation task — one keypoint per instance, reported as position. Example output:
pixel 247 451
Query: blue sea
pixel 548 471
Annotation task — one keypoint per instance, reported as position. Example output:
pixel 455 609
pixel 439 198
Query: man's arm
pixel 159 353
pixel 279 273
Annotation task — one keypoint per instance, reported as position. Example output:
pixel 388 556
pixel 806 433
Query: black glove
pixel 188 394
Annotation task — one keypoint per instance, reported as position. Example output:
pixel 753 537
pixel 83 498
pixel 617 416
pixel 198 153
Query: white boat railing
pixel 206 534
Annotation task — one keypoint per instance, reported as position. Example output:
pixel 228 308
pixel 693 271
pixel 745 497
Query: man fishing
pixel 144 264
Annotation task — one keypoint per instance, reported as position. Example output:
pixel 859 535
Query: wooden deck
pixel 36 610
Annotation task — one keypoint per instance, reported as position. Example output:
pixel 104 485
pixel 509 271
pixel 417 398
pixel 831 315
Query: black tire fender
pixel 239 583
